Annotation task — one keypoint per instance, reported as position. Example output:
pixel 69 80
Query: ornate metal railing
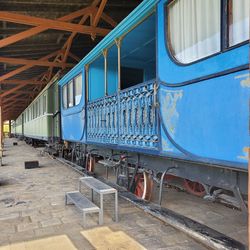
pixel 128 119
pixel 102 121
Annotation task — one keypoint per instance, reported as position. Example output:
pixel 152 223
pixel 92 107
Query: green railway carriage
pixel 41 119
pixel 12 128
pixel 18 126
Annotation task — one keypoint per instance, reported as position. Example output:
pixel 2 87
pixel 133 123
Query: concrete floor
pixel 228 221
pixel 33 214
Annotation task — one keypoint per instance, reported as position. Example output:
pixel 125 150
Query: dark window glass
pixel 131 77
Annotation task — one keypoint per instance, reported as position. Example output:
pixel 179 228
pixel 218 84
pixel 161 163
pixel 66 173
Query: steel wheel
pixel 194 188
pixel 144 186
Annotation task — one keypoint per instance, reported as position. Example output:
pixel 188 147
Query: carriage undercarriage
pixel 138 173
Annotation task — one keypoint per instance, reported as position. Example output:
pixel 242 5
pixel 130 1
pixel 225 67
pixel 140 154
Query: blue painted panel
pixel 210 119
pixel 170 72
pixel 96 79
pixel 72 119
pixel 73 127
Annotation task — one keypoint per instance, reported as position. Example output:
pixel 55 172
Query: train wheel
pixel 170 177
pixel 144 186
pixel 90 164
pixel 194 188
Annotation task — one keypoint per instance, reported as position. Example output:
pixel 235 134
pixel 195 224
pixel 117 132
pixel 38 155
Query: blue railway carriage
pixel 40 121
pixel 167 90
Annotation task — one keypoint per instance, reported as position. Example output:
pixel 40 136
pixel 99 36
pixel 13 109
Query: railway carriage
pixel 169 89
pixel 40 121
pixel 18 126
pixel 164 96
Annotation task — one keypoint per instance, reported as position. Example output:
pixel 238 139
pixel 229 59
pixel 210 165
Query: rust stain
pixel 166 146
pixel 245 82
pixel 245 151
pixel 170 114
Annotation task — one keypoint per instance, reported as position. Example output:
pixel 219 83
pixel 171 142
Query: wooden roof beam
pixel 99 13
pixel 69 41
pixel 25 67
pixel 11 60
pixel 33 82
pixel 12 90
pixel 36 30
pixel 51 24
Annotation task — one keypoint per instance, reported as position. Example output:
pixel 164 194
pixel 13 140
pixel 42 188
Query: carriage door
pixel 203 62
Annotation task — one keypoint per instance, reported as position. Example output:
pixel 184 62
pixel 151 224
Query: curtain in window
pixel 70 94
pixel 239 22
pixel 194 29
pixel 78 89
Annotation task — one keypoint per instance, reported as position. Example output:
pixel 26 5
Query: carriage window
pixel 39 107
pixel 44 104
pixel 238 21
pixel 35 109
pixel 194 29
pixel 78 89
pixel 70 94
pixel 65 95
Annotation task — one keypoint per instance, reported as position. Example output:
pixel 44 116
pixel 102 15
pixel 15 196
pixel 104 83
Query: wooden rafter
pixel 74 57
pixel 51 24
pixel 11 60
pixel 21 82
pixel 36 30
pixel 17 94
pixel 66 47
pixel 99 13
pixel 13 90
pixel 25 67
pixel 69 41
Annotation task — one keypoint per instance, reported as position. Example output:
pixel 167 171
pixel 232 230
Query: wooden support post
pixel 118 44
pixel 1 134
pixel 87 82
pixel 105 54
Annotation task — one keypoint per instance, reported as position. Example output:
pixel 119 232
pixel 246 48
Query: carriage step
pixel 83 204
pixel 109 163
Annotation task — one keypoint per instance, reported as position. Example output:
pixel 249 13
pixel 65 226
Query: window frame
pixel 66 86
pixel 65 104
pixel 44 104
pixel 224 34
pixel 74 89
pixel 229 18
